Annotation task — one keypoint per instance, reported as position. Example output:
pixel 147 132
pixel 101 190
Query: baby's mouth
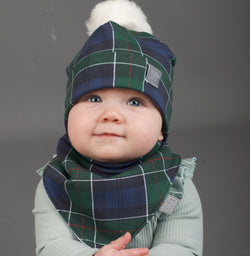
pixel 107 134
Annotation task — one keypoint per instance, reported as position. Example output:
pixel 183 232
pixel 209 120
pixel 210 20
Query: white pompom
pixel 124 12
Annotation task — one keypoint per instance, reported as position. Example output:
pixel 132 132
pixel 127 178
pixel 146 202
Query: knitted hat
pixel 115 57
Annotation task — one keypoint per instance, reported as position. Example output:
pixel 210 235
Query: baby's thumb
pixel 121 242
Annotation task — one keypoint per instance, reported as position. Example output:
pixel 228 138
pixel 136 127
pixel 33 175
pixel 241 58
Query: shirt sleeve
pixel 53 237
pixel 181 234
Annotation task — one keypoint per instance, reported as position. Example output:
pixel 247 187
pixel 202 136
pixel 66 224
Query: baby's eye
pixel 94 98
pixel 134 102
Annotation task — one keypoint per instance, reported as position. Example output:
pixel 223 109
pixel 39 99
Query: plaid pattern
pixel 114 57
pixel 100 209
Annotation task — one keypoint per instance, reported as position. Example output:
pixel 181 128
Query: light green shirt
pixel 177 234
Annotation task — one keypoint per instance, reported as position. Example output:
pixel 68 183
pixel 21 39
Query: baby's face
pixel 114 125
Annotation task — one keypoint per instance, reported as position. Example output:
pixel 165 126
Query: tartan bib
pixel 99 209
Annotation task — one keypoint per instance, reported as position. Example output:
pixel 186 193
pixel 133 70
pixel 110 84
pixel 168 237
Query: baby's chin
pixel 111 155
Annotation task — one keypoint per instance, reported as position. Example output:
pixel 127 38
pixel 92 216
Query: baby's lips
pixel 108 134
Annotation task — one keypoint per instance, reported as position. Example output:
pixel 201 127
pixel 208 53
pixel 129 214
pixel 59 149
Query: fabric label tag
pixel 169 204
pixel 153 75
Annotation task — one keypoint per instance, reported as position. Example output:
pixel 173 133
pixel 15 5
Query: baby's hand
pixel 116 248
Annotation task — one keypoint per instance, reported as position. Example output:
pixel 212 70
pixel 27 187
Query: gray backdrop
pixel 211 106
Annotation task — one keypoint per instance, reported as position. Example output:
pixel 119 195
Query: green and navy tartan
pixel 114 57
pixel 100 209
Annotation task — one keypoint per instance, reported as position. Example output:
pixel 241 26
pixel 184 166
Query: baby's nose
pixel 112 115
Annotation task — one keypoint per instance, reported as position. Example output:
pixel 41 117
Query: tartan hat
pixel 114 57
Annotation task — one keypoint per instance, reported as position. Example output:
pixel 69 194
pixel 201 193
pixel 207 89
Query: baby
pixel 114 186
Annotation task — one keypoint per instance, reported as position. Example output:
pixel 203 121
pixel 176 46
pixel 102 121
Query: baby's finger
pixel 135 252
pixel 121 242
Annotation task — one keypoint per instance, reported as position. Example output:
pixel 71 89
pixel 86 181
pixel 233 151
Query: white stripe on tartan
pixel 90 168
pixel 93 205
pixel 169 98
pixel 107 50
pixel 70 209
pixel 66 160
pixel 145 73
pixel 146 192
pixel 113 35
pixel 66 163
pixel 138 45
pixel 72 75
pixel 56 170
pixel 106 63
pixel 164 167
pixel 123 178
pixel 65 191
pixel 163 163
pixel 114 70
pixel 146 55
pixel 130 50
pixel 124 218
pixel 88 240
